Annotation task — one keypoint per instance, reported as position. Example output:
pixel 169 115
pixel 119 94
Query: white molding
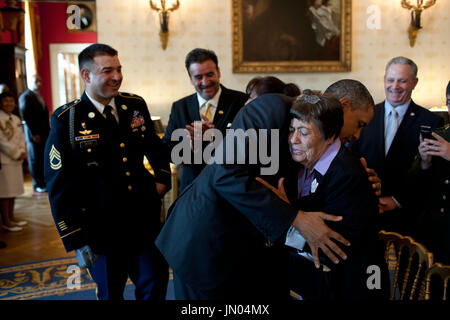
pixel 56 48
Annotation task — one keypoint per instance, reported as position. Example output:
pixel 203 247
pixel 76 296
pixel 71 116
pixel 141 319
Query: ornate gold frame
pixel 341 65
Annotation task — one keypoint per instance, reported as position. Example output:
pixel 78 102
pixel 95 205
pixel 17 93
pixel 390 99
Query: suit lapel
pixel 408 120
pixel 379 131
pixel 193 108
pixel 222 109
pixel 405 126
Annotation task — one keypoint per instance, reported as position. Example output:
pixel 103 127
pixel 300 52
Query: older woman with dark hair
pixel 330 179
pixel 262 85
pixel 12 154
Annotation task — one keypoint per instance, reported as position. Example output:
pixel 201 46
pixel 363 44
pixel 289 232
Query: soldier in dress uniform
pixel 105 204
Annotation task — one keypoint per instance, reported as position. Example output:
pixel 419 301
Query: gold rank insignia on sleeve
pixel 55 158
pixel 62 226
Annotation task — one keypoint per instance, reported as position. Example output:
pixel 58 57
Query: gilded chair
pixel 409 261
pixel 443 271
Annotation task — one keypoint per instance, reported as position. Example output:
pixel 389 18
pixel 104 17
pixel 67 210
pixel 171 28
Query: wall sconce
pixel 416 11
pixel 164 14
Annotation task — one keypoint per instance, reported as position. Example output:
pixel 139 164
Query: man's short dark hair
pixel 87 56
pixel 360 97
pixel 447 92
pixel 200 55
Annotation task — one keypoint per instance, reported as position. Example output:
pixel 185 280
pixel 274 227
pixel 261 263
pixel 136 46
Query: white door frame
pixel 56 48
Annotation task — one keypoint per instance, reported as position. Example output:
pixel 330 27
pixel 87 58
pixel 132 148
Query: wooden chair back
pixel 409 261
pixel 443 271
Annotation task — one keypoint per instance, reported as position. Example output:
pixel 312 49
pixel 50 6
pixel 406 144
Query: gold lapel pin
pixel 220 111
pixel 124 107
pixel 91 115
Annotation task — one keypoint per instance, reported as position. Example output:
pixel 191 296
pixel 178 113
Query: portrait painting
pixel 291 36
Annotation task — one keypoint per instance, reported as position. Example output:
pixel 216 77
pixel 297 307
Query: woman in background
pixel 12 154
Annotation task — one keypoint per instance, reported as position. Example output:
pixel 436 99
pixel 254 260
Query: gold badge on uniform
pixel 55 158
pixel 220 111
pixel 124 107
pixel 91 115
pixel 85 131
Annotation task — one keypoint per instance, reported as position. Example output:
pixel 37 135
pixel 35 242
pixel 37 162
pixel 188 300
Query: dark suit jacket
pixel 186 111
pixel 393 168
pixel 35 115
pixel 100 193
pixel 214 237
pixel 343 191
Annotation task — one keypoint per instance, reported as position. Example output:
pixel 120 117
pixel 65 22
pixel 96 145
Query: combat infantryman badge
pixel 55 158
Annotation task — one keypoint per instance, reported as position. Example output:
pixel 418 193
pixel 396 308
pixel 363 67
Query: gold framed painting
pixel 291 36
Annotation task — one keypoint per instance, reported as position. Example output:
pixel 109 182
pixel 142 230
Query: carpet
pixel 56 279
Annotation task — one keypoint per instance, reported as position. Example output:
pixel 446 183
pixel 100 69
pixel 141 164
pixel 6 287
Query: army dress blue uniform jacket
pixel 100 193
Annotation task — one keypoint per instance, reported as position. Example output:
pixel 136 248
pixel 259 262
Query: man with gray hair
pixel 389 142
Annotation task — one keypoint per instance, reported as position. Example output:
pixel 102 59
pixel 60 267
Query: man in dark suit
pixel 213 103
pixel 215 235
pixel 105 204
pixel 36 117
pixel 389 143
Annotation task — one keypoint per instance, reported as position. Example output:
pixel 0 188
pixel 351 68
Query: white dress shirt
pixel 100 107
pixel 214 103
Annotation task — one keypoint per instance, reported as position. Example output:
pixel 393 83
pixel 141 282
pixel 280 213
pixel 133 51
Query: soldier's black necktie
pixel 112 125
